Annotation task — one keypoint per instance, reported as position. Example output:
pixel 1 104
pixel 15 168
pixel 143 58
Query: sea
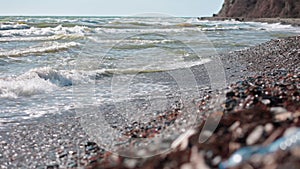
pixel 123 65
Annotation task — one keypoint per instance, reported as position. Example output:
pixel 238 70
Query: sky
pixel 110 7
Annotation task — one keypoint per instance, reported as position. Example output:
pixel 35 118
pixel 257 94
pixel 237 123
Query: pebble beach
pixel 261 105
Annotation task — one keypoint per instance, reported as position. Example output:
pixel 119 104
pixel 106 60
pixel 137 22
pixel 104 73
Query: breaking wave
pixel 45 48
pixel 39 38
pixel 13 26
pixel 48 31
pixel 38 81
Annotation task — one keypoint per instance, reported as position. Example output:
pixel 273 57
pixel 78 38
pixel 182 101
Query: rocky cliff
pixel 261 8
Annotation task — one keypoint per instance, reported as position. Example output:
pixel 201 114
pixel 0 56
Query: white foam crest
pixel 81 30
pixel 230 21
pixel 46 47
pixel 234 24
pixel 156 67
pixel 163 21
pixel 208 22
pixel 6 26
pixel 275 26
pixel 181 65
pixel 26 86
pixel 38 38
pixel 167 30
pixel 63 77
pixel 55 77
pixel 134 41
pixel 40 80
pixel 217 28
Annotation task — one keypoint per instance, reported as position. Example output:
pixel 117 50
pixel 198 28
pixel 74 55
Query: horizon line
pixel 75 15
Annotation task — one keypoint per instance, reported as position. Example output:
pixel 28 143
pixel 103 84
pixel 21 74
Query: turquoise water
pixel 51 64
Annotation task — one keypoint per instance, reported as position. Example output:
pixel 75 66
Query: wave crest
pixel 37 81
pixel 12 26
pixel 33 31
pixel 45 48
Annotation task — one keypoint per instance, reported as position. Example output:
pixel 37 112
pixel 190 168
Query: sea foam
pixel 36 81
pixel 9 26
pixel 33 31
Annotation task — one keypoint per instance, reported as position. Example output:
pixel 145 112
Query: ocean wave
pixel 127 23
pixel 10 26
pixel 217 28
pixel 188 25
pixel 40 38
pixel 62 78
pixel 48 31
pixel 47 79
pixel 132 41
pixel 153 30
pixel 238 25
pixel 26 85
pixel 131 44
pixel 274 26
pixel 181 28
pixel 151 21
pixel 38 81
pixel 45 48
pixel 152 68
pixel 53 76
pixel 260 26
pixel 3 62
pixel 170 23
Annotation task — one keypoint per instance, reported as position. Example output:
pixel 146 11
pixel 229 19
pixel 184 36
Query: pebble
pixel 130 163
pixel 290 131
pixel 255 135
pixel 283 116
pixel 278 110
pixel 52 166
pixel 216 160
pixel 269 128
pixel 266 101
pixel 3 143
pixel 187 166
pixel 234 126
pixel 62 154
pixel 72 164
pixel 234 146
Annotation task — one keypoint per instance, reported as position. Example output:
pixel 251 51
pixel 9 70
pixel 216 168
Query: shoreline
pixel 285 21
pixel 58 141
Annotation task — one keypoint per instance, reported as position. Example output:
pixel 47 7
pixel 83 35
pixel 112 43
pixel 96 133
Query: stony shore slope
pixel 260 107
